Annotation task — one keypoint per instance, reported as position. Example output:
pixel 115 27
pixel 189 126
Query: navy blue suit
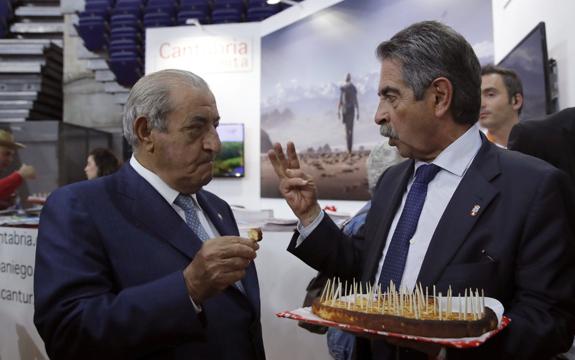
pixel 109 282
pixel 518 247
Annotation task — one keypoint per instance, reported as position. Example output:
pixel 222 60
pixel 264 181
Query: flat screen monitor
pixel 529 60
pixel 230 160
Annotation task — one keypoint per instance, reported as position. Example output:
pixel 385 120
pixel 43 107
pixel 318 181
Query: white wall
pixel 513 19
pixel 237 90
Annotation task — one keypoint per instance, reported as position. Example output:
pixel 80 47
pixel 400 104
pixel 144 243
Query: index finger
pixel 277 158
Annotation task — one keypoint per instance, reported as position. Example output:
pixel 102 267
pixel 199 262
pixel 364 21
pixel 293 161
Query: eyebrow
pixel 491 88
pixel 388 90
pixel 201 119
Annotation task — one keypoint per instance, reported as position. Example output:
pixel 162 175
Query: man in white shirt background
pixel 501 102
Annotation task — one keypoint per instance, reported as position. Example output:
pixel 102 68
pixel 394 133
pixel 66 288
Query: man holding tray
pixel 461 212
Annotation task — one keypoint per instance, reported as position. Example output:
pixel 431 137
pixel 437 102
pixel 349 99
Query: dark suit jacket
pixel 518 247
pixel 109 284
pixel 551 139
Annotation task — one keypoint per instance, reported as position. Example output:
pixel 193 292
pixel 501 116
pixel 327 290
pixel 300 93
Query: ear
pixel 442 94
pixel 144 134
pixel 517 101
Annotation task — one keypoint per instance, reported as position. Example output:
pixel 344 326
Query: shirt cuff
pixel 197 308
pixel 305 231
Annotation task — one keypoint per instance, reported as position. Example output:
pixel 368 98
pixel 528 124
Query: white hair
pixel 150 98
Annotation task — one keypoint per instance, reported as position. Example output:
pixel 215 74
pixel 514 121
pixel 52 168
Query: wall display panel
pixel 304 68
pixel 529 60
pixel 230 160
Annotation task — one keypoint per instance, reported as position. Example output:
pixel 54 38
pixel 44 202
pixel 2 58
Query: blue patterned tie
pixel 188 204
pixel 394 262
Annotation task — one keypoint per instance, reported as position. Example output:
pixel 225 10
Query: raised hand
pixel 297 187
pixel 220 263
pixel 27 171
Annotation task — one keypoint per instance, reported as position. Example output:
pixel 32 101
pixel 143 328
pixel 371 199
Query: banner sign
pixel 18 336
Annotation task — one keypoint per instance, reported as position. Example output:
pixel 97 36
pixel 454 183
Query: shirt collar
pixel 157 183
pixel 457 157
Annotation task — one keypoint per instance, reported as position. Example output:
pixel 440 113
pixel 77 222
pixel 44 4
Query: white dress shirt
pixel 454 162
pixel 170 195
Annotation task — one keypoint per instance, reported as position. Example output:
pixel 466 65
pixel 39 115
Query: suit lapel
pixel 221 223
pixel 470 200
pixel 381 216
pixel 152 212
pixel 225 225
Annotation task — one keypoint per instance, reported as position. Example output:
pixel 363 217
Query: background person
pixel 144 263
pixel 501 102
pixel 348 109
pixel 10 183
pixel 551 139
pixel 101 162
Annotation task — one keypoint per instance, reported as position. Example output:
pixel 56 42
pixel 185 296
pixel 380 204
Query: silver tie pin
pixel 475 210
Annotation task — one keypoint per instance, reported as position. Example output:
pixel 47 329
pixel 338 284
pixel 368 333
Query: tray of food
pixel 462 321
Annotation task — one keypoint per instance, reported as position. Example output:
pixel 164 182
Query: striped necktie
pixel 188 204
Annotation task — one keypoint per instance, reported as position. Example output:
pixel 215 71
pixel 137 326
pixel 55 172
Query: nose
pixel 381 115
pixel 212 141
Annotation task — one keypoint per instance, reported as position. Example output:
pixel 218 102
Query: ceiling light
pixel 289 2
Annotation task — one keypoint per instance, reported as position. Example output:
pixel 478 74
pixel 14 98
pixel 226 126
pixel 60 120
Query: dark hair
pixel 105 160
pixel 512 82
pixel 427 50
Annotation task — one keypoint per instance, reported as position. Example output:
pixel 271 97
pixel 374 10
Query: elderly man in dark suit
pixel 461 212
pixel 144 264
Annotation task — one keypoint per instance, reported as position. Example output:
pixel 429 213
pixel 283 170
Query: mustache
pixel 386 130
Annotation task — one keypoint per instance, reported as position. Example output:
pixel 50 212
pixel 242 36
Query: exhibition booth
pixel 278 80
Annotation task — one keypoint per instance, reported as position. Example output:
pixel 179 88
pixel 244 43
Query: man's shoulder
pixel 523 165
pixel 88 189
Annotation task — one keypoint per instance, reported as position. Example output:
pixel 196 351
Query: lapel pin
pixel 475 210
pixel 220 216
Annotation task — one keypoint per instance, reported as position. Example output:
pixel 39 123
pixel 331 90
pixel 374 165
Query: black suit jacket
pixel 518 248
pixel 109 283
pixel 551 139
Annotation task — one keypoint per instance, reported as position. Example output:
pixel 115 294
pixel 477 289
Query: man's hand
pixel 219 263
pixel 27 172
pixel 295 186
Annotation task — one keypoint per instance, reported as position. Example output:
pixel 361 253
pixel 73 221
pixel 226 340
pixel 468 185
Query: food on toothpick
pixel 255 234
pixel 417 313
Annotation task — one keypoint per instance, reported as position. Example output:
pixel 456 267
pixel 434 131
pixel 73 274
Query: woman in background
pixel 101 162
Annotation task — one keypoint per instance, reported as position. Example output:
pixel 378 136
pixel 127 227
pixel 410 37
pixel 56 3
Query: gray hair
pixel 150 97
pixel 428 50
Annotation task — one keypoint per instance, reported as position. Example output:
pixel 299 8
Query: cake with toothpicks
pixel 415 313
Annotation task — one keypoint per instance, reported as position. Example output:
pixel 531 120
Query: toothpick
pixel 482 303
pixel 460 305
pixel 434 300
pixel 465 298
pixel 440 315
